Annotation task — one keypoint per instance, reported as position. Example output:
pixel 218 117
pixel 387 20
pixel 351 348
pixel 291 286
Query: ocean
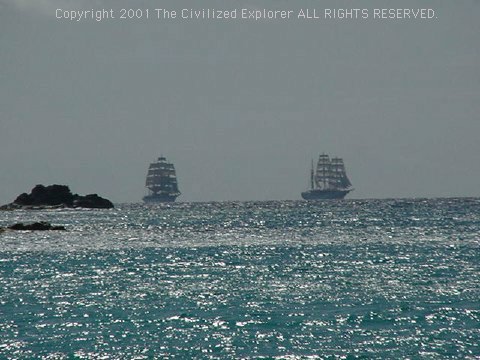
pixel 352 279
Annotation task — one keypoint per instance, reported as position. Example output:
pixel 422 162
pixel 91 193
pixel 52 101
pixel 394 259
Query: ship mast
pixel 312 177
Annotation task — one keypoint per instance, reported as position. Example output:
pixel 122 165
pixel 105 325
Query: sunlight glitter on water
pixel 245 280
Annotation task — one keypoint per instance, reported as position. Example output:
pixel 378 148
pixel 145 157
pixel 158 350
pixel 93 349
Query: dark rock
pixel 92 201
pixel 41 226
pixel 47 195
pixel 56 196
pixel 23 199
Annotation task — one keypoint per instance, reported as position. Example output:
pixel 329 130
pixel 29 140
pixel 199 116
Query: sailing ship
pixel 161 182
pixel 329 181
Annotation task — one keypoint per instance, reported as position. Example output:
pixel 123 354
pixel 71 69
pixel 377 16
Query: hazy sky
pixel 240 107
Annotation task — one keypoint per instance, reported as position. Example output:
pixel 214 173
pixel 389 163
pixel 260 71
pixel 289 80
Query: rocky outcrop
pixel 92 201
pixel 56 196
pixel 40 226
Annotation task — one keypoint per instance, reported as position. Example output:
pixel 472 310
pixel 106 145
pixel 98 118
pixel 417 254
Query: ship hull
pixel 158 198
pixel 324 194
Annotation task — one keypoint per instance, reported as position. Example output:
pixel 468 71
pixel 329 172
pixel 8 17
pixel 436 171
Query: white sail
pixel 339 179
pixel 323 174
pixel 330 174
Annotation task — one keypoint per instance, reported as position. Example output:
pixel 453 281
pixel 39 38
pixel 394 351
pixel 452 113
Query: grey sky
pixel 240 107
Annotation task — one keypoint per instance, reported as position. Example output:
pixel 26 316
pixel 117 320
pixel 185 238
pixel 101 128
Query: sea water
pixel 370 279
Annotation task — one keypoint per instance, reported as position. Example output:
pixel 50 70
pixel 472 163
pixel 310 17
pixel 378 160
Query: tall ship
pixel 329 180
pixel 161 182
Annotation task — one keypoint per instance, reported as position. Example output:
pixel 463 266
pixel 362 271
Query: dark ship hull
pixel 324 194
pixel 159 198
